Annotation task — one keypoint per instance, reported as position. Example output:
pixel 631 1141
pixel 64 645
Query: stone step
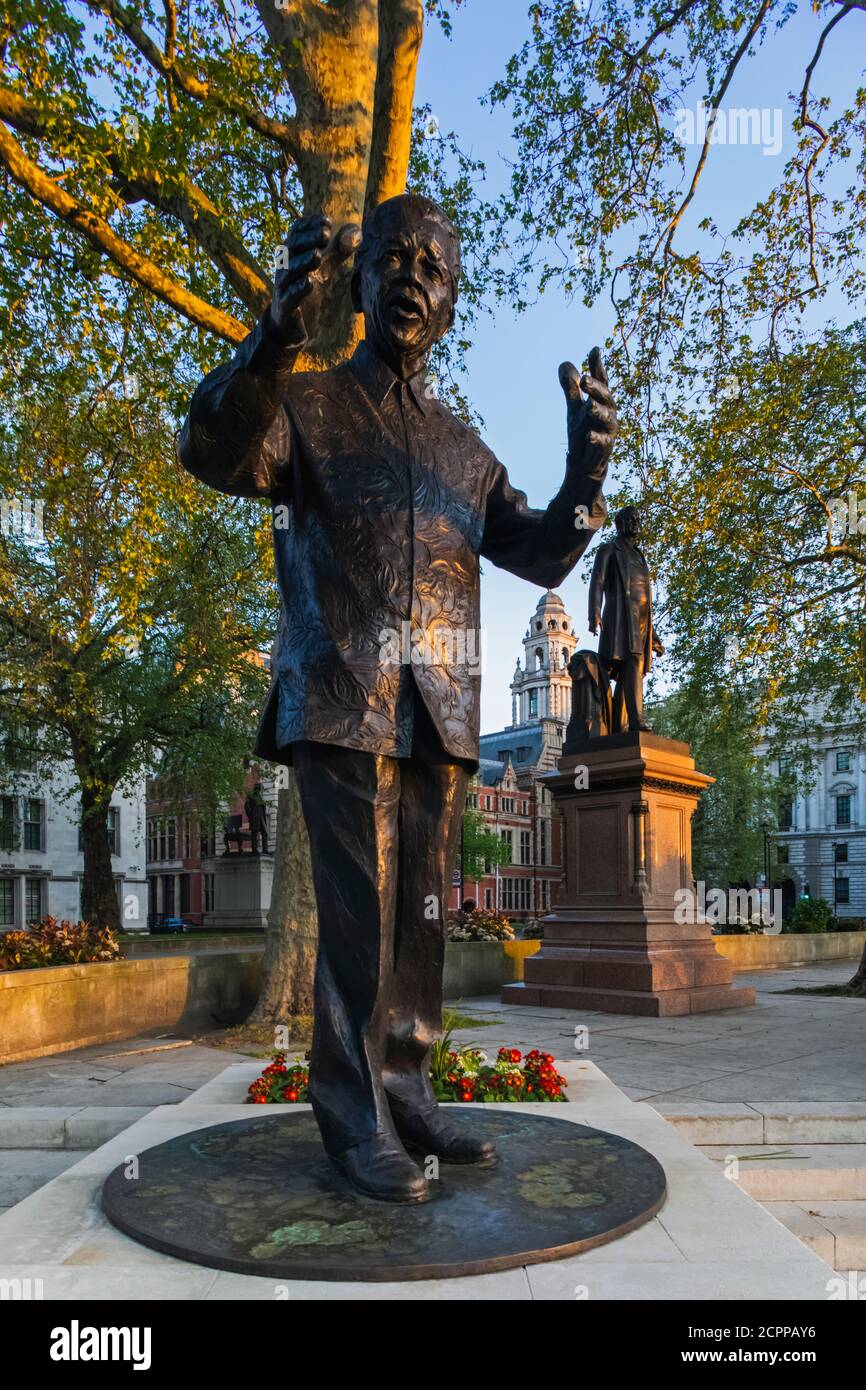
pixel 794 1172
pixel 834 1231
pixel 806 1122
pixel 82 1127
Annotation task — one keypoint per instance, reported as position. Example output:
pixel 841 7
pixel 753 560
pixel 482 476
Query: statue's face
pixel 405 288
pixel 631 524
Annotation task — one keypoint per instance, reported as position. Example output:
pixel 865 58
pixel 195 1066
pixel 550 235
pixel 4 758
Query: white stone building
pixel 822 830
pixel 41 863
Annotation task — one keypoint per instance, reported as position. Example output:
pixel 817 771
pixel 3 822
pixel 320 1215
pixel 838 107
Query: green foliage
pixel 740 423
pixel 50 942
pixel 127 629
pixel 727 829
pixel 810 915
pixel 480 846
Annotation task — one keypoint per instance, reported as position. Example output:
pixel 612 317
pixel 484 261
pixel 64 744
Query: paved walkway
pixel 788 1047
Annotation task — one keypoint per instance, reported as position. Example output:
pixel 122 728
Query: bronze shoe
pixel 379 1168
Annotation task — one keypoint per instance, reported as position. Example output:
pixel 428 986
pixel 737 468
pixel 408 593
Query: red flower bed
pixel 457 1075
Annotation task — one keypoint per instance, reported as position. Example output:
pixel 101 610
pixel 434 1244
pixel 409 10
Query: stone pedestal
pixel 613 944
pixel 242 891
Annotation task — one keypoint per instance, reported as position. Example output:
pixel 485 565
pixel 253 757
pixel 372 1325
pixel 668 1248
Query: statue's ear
pixel 355 291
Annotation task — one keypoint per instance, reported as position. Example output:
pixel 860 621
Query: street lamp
pixel 767 879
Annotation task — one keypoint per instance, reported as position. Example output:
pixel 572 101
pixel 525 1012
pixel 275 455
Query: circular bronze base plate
pixel 259 1196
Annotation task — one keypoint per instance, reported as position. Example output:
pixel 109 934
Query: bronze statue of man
pixel 257 819
pixel 383 504
pixel 621 582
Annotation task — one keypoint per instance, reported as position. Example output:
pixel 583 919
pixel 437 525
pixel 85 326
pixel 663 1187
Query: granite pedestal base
pixel 627 938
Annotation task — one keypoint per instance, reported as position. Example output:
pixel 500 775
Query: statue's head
pixel 407 271
pixel 627 522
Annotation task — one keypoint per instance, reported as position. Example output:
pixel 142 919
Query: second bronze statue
pixel 386 503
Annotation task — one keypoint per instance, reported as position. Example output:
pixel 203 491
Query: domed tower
pixel 542 689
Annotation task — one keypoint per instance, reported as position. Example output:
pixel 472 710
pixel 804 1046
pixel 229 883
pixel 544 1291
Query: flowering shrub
pixel 468 1077
pixel 479 925
pixel 456 1075
pixel 280 1084
pixel 50 942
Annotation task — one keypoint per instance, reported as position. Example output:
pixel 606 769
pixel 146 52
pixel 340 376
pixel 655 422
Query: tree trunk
pixel 99 904
pixel 857 983
pixel 351 68
pixel 288 967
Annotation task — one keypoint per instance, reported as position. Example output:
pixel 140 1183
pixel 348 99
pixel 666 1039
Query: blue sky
pixel 512 370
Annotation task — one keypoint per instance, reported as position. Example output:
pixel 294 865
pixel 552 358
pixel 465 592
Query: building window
pixel 207 839
pixel 33 900
pixel 34 820
pixel 525 847
pixel 172 838
pixel 114 829
pixel 543 894
pixel 488 897
pixel 840 854
pixel 533 704
pixel 7 822
pixel 21 747
pixel 151 840
pixel 508 804
pixel 207 892
pixel 505 836
pixel 843 762
pixel 187 838
pixel 516 894
pixel 472 799
pixel 786 813
pixel 184 894
pixel 843 810
pixel 542 842
pixel 842 890
pixel 7 902
pixel 783 854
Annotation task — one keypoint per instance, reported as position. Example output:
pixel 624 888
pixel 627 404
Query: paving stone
pixel 23 1171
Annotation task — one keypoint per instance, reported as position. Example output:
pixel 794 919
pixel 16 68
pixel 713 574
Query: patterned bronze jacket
pixel 382 504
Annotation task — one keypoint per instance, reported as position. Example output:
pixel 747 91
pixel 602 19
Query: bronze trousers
pixel 383 835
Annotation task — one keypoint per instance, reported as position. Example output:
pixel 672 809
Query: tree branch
pixel 667 235
pixel 176 195
pixel 401 28
pixel 281 132
pixel 98 232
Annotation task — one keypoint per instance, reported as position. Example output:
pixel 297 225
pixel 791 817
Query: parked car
pixel 172 926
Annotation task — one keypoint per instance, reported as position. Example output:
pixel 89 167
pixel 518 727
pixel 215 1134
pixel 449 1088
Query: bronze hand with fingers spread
pixel 309 260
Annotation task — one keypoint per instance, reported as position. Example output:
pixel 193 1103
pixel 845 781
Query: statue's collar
pixel 378 379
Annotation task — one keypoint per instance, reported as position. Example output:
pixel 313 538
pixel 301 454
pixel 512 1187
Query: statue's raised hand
pixel 592 422
pixel 307 263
